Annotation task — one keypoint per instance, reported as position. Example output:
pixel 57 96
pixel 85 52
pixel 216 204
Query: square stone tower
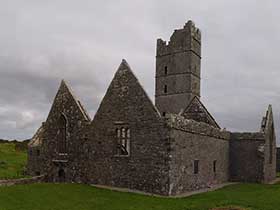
pixel 178 69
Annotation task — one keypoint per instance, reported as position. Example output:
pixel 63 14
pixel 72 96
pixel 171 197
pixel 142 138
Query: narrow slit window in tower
pixel 165 88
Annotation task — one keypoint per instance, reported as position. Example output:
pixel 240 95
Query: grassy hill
pixel 12 161
pixel 84 197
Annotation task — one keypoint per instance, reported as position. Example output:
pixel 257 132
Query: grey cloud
pixel 84 42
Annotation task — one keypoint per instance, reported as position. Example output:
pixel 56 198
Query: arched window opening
pixel 62 134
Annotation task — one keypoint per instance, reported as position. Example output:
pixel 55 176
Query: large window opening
pixel 62 134
pixel 123 141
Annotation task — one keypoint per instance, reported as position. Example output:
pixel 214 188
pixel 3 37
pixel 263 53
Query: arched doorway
pixel 61 175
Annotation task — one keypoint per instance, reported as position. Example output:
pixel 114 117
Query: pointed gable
pixel 125 95
pixel 65 100
pixel 36 140
pixel 198 112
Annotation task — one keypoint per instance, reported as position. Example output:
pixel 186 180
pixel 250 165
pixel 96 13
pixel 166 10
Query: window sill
pixel 62 154
pixel 122 156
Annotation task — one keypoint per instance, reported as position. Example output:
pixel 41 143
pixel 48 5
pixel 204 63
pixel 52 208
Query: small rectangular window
pixel 163 114
pixel 196 166
pixel 38 152
pixel 214 166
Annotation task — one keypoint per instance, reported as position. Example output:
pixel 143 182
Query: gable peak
pixel 198 112
pixel 65 88
pixel 124 66
pixel 63 83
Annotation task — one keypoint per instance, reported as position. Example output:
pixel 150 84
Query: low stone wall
pixel 35 179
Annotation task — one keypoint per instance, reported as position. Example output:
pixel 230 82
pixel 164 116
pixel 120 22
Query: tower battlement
pixel 187 38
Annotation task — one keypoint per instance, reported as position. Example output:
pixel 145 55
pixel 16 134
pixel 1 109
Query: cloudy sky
pixel 83 42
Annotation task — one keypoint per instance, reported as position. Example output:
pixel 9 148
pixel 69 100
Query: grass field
pixel 83 197
pixel 12 162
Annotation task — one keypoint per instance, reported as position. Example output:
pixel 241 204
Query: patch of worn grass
pixel 83 197
pixel 12 162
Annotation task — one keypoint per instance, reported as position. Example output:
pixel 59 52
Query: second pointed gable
pixel 198 112
pixel 126 97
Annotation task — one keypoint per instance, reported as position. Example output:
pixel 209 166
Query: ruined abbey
pixel 168 148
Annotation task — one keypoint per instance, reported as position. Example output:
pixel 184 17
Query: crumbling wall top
pixel 257 136
pixel 180 123
pixel 181 40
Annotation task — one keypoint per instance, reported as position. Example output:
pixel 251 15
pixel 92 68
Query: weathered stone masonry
pixel 192 141
pixel 169 148
pixel 253 155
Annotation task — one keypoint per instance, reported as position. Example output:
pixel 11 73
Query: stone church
pixel 168 148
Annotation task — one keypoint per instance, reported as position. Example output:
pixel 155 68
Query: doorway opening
pixel 61 175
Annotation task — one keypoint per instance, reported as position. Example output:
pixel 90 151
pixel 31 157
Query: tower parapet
pixel 179 41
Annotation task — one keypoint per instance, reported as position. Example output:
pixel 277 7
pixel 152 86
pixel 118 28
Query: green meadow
pixel 83 197
pixel 47 196
pixel 12 162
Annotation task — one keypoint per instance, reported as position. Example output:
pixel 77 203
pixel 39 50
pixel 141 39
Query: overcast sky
pixel 42 42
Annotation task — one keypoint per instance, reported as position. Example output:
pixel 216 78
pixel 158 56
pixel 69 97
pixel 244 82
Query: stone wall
pixel 253 155
pixel 246 157
pixel 127 106
pixel 59 149
pixel 193 141
pixel 34 161
pixel 9 182
pixel 269 147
